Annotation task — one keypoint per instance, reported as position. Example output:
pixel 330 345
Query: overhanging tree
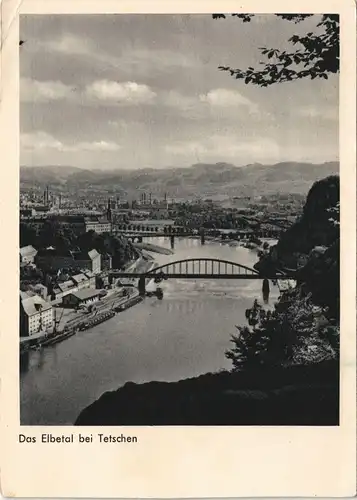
pixel 314 55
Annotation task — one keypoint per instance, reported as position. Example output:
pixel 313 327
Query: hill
pixel 48 174
pixel 199 179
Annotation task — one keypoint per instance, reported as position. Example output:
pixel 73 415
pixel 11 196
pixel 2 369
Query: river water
pixel 183 335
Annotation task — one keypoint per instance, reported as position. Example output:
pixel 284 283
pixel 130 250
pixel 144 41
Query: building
pixel 63 289
pixel 121 215
pixel 160 212
pixel 26 212
pixel 73 284
pixel 152 223
pixel 107 262
pixel 74 222
pixel 39 289
pixel 81 297
pixel 91 279
pixel 41 209
pixel 88 260
pixel 98 225
pixel 36 315
pixel 51 260
pixel 28 254
pixel 81 281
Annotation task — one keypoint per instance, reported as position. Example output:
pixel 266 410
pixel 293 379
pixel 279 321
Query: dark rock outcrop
pixel 314 228
pixel 295 395
pixel 312 246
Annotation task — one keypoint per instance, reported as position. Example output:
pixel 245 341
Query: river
pixel 183 335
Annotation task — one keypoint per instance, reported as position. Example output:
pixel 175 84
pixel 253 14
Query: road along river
pixel 183 335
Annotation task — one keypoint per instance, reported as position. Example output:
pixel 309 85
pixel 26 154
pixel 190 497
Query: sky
pixel 144 91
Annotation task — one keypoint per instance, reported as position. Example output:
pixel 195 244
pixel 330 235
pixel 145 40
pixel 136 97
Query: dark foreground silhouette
pixel 299 395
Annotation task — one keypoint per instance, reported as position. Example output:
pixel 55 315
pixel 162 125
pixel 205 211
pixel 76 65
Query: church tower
pixel 109 211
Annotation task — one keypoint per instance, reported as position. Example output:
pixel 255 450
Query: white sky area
pixel 138 91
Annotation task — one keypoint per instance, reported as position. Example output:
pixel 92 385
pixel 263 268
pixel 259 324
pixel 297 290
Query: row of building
pixel 37 314
pixel 52 259
pixel 73 283
pixel 77 223
pixel 62 287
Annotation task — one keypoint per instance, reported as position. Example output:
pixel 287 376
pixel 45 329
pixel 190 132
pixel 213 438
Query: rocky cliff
pixel 312 245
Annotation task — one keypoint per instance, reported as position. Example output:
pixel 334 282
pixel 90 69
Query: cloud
pixel 95 146
pixel 324 113
pixel 128 58
pixel 122 93
pixel 69 44
pixel 44 91
pixel 176 100
pixel 144 60
pixel 41 140
pixel 217 103
pixel 226 98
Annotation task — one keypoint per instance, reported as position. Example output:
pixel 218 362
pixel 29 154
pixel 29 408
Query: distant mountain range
pixel 201 179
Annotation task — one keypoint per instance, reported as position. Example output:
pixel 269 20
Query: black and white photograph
pixel 179 219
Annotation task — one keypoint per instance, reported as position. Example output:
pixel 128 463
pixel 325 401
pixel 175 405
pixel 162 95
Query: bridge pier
pixel 266 290
pixel 172 241
pixel 202 234
pixel 142 286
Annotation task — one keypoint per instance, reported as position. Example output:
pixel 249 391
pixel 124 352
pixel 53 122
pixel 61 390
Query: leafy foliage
pixel 297 332
pixel 64 239
pixel 304 326
pixel 120 249
pixel 335 215
pixel 314 55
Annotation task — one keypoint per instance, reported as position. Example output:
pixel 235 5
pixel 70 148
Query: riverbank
pixel 150 247
pixel 295 395
pixel 182 336
pixel 105 309
pixel 84 322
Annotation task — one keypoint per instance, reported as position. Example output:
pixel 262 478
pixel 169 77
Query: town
pixel 68 250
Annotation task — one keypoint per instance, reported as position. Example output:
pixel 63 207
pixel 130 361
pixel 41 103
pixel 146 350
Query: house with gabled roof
pixel 36 315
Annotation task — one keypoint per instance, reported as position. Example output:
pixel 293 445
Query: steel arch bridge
pixel 203 268
pixel 196 268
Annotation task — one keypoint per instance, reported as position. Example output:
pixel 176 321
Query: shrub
pixel 297 332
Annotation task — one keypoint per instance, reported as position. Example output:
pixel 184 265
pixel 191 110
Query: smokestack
pixel 150 198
